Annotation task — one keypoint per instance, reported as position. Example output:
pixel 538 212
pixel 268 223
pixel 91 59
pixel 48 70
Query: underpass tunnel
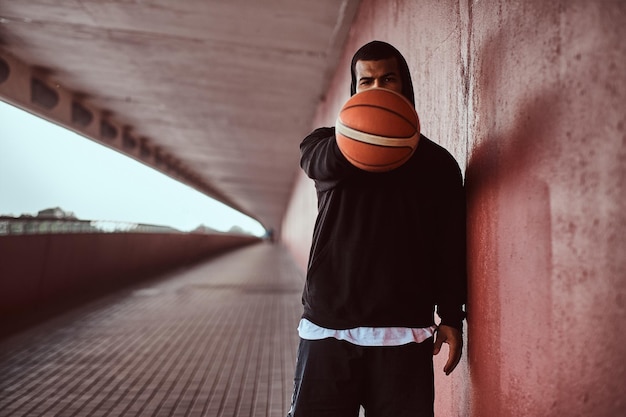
pixel 528 97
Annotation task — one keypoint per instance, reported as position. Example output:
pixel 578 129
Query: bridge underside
pixel 215 94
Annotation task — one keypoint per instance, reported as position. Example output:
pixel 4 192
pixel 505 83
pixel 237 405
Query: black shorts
pixel 333 378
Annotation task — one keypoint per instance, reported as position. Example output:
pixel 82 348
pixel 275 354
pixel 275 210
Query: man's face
pixel 381 74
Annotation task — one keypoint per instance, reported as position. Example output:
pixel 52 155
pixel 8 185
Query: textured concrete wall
pixel 529 97
pixel 37 269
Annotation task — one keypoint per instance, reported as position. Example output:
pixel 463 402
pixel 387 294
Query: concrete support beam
pixel 36 91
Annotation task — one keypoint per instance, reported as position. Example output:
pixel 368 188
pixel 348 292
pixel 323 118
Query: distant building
pixel 56 213
pixel 204 230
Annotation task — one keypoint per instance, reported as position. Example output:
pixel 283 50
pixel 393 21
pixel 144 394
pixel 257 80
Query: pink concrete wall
pixel 530 97
pixel 36 269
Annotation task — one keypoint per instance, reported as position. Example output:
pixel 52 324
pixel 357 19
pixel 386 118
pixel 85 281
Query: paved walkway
pixel 218 339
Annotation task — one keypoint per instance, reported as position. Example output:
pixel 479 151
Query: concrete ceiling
pixel 225 88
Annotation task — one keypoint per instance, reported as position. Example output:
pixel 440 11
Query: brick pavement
pixel 218 339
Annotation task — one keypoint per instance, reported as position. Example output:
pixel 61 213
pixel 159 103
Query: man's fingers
pixel 454 340
pixel 454 357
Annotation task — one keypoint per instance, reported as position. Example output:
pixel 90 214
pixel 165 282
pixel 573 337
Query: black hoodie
pixel 387 247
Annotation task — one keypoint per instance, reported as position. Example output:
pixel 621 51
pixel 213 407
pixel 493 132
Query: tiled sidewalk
pixel 218 339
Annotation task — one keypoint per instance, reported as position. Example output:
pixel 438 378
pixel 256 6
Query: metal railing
pixel 29 226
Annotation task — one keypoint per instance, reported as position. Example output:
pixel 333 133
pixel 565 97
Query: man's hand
pixel 454 339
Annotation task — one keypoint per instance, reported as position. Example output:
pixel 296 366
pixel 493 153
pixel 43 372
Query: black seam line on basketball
pixel 382 108
pixel 403 160
pixel 385 146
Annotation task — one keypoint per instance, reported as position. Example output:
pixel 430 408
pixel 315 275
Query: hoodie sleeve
pixel 322 160
pixel 450 245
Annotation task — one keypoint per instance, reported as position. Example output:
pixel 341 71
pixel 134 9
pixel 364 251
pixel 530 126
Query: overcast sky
pixel 43 165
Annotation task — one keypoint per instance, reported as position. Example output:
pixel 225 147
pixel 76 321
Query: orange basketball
pixel 377 130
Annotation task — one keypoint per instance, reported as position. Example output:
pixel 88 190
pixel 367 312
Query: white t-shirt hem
pixel 367 336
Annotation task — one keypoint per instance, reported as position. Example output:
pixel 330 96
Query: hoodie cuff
pixel 452 317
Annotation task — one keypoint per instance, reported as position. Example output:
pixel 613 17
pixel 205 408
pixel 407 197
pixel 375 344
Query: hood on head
pixel 377 50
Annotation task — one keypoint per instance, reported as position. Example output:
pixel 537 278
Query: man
pixel 388 248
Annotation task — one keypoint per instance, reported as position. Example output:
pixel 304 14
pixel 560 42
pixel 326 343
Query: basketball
pixel 377 130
